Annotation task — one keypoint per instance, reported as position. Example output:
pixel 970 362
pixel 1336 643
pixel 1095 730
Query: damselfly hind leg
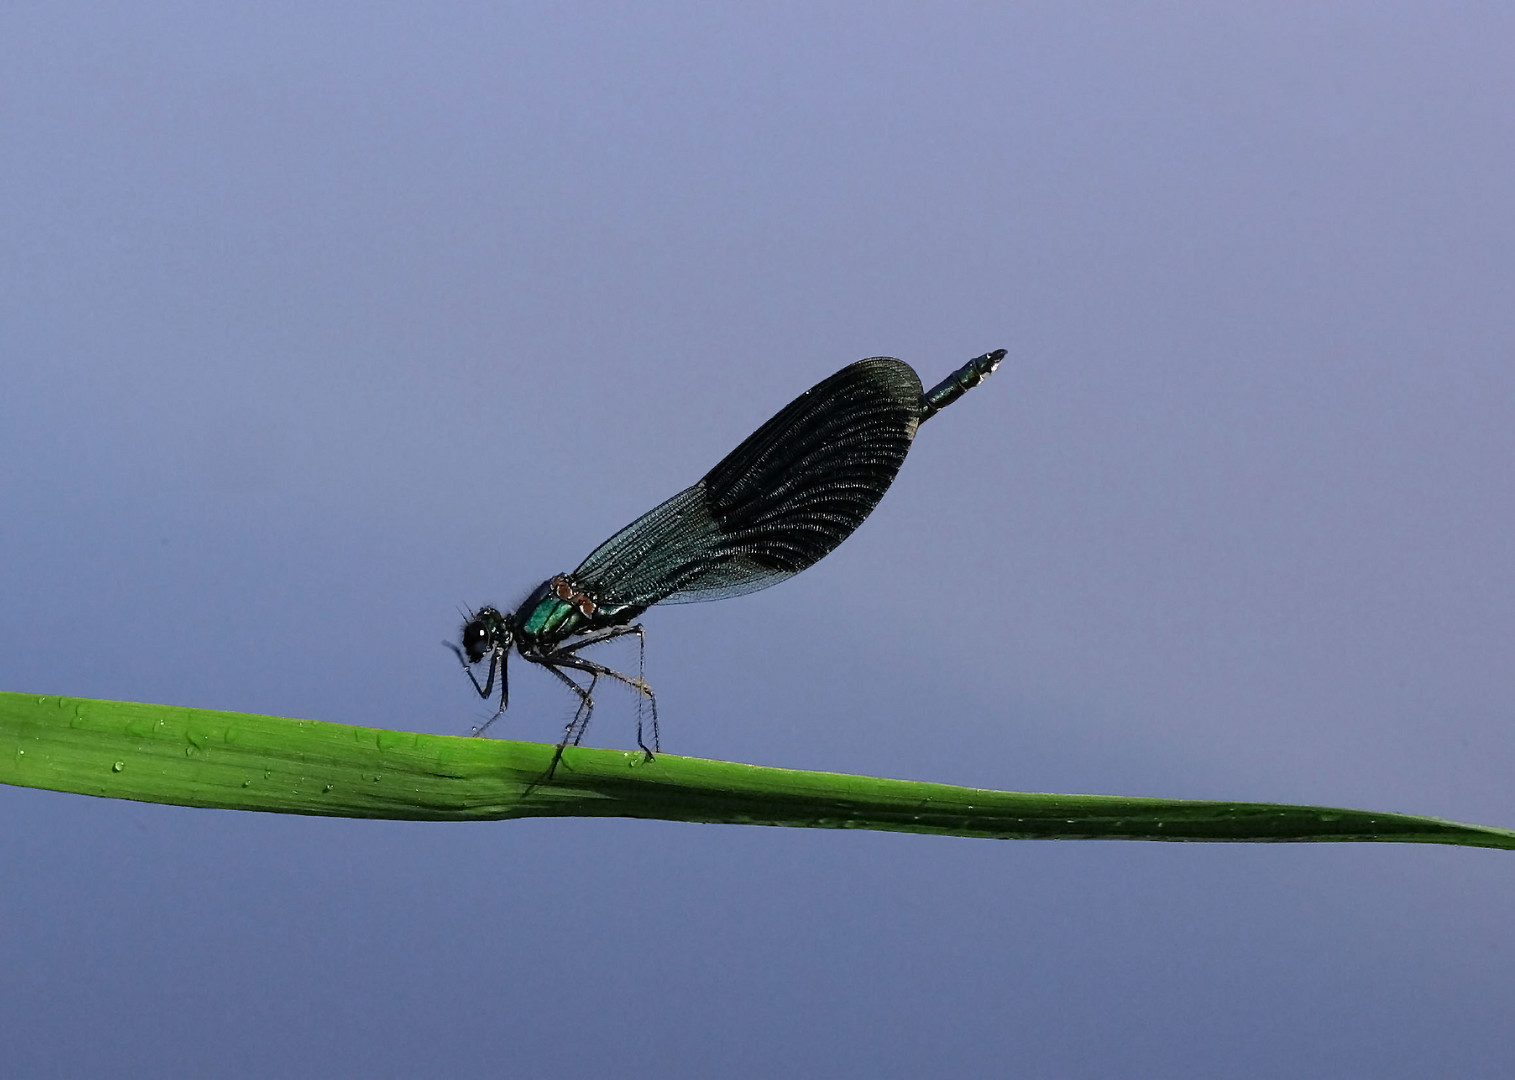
pixel 568 657
pixel 576 727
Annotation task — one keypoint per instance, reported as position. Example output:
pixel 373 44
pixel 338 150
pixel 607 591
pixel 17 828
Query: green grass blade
pixel 239 761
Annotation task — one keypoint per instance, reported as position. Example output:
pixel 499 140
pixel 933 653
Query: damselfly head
pixel 484 632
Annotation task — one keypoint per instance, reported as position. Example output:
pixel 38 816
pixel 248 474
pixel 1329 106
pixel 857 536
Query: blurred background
pixel 321 323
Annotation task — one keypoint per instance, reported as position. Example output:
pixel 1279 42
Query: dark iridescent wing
pixel 794 490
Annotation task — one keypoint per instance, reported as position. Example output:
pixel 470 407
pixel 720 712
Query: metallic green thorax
pixel 552 619
pixel 556 609
pixel 560 607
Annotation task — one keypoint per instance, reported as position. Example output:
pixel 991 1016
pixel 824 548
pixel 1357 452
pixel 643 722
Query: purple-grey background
pixel 318 322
